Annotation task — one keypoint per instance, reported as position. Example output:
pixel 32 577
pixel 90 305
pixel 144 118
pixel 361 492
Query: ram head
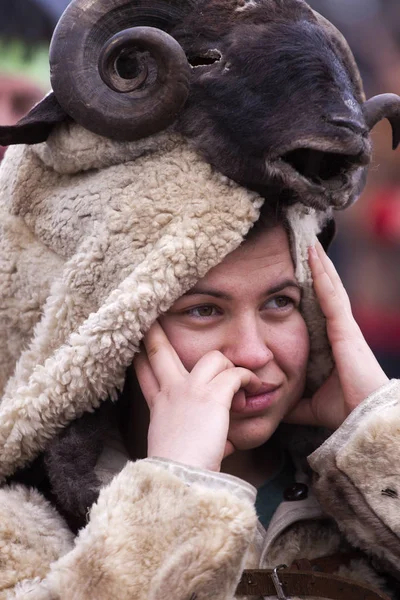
pixel 267 90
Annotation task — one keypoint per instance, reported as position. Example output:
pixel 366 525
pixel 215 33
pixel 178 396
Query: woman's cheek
pixel 190 353
pixel 294 347
pixel 303 338
pixel 190 346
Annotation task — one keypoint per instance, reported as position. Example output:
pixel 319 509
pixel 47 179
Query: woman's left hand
pixel 357 373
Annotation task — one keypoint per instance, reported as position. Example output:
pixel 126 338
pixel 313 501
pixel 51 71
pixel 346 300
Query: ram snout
pixel 335 168
pixel 327 167
pixel 320 175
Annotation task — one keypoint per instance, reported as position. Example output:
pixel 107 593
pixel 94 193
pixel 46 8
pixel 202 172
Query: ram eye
pixel 205 58
pixel 319 166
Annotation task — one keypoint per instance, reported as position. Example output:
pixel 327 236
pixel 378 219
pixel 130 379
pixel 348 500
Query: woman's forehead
pixel 266 255
pixel 266 245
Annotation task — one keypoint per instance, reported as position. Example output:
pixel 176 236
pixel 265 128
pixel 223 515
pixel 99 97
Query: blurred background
pixel 367 248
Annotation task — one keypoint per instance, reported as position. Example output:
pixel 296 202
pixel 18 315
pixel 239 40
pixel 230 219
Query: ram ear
pixel 327 234
pixel 36 126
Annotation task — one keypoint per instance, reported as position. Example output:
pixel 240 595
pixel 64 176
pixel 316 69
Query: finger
pixel 333 301
pixel 238 401
pixel 209 366
pixel 323 285
pixel 229 448
pixel 302 414
pixel 332 273
pixel 230 381
pixel 165 362
pixel 324 408
pixel 146 378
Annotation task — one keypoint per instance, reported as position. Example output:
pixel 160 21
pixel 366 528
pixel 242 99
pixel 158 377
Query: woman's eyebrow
pixel 217 294
pixel 282 285
pixel 208 292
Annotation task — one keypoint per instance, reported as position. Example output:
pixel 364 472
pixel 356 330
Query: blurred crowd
pixel 26 27
pixel 367 248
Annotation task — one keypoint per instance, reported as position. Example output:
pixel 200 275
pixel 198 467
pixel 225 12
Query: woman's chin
pixel 248 434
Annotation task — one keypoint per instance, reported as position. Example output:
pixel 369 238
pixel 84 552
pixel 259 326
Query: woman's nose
pixel 248 347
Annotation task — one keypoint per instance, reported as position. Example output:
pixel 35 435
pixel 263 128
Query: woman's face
pixel 247 307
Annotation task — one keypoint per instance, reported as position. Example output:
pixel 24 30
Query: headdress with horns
pixel 229 76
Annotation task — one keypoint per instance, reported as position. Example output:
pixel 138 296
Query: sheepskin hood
pixel 97 238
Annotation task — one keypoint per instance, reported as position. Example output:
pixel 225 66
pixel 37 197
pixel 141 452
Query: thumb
pixel 229 448
pixel 302 414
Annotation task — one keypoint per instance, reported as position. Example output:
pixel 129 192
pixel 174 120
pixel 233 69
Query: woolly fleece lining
pixel 105 236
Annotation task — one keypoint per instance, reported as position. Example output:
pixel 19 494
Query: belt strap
pixel 260 582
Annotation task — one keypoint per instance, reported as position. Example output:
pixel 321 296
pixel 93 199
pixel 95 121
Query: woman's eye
pixel 203 311
pixel 281 302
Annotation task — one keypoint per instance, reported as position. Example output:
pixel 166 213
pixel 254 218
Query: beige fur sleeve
pixel 32 536
pixel 358 475
pixel 159 530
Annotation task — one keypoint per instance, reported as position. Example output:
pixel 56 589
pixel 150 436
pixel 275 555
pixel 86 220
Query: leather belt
pixel 284 583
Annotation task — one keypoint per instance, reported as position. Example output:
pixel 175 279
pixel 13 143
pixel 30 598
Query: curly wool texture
pixel 376 450
pixel 128 241
pixel 204 532
pixel 28 551
pixel 305 223
pixel 117 235
pixel 364 506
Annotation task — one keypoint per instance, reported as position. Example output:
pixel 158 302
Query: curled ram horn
pixel 384 106
pixel 114 77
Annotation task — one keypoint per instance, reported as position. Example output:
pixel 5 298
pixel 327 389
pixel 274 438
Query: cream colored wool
pixel 376 450
pixel 305 223
pixel 356 465
pixel 112 249
pixel 200 532
pixel 132 240
pixel 26 551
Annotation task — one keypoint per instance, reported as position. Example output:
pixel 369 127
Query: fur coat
pixel 96 239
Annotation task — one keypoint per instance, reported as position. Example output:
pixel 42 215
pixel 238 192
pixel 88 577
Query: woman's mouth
pixel 259 402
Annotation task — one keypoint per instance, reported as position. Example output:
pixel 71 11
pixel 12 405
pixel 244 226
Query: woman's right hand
pixel 189 412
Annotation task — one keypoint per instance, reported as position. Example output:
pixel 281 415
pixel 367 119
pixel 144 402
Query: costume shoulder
pixel 358 476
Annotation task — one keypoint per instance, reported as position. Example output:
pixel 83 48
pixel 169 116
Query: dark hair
pixel 272 215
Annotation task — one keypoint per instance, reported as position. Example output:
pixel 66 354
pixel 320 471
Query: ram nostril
pixel 352 124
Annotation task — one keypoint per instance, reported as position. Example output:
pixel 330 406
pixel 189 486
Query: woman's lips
pixel 259 402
